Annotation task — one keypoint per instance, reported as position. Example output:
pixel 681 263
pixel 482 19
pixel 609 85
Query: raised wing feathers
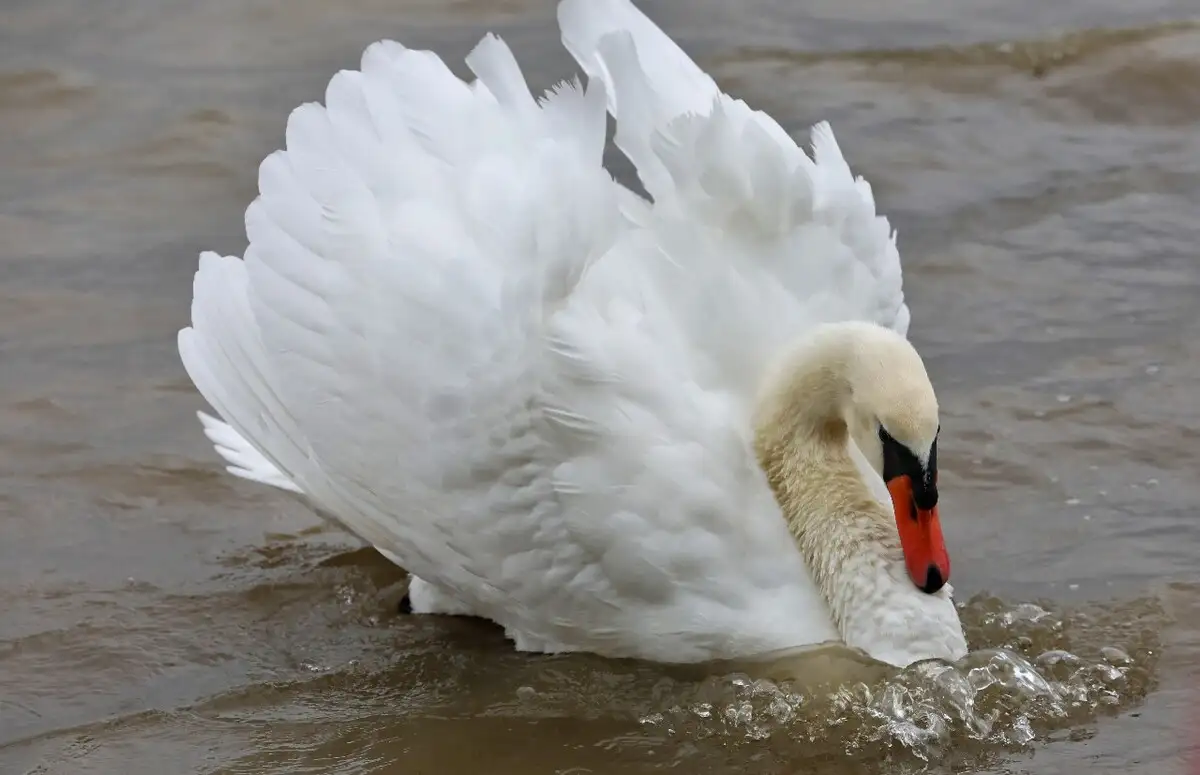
pixel 730 187
pixel 380 343
pixel 457 335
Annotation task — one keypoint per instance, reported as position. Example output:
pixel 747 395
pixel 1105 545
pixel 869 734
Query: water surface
pixel 1041 164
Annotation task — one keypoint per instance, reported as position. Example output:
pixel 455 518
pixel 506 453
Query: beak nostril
pixel 933 580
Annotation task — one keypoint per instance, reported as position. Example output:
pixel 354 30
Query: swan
pixel 680 427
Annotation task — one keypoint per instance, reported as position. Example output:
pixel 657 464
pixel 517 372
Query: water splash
pixel 1031 685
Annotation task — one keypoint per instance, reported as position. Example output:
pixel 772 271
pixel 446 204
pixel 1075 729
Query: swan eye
pixel 899 460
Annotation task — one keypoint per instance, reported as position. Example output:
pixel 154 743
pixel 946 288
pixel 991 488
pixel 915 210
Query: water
pixel 1041 164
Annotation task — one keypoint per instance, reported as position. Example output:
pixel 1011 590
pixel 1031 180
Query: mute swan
pixel 654 429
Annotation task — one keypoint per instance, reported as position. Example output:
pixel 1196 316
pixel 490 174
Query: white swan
pixel 641 430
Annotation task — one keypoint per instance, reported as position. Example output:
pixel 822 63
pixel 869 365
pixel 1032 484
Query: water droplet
pixel 1057 657
pixel 1022 732
pixel 780 710
pixel 1116 656
pixel 1025 612
pixel 981 678
pixel 740 714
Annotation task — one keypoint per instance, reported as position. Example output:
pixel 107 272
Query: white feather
pixel 445 333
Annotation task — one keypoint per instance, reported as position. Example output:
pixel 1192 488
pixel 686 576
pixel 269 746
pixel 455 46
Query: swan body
pixel 641 429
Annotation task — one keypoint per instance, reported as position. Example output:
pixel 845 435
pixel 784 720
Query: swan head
pixel 892 415
pixel 860 383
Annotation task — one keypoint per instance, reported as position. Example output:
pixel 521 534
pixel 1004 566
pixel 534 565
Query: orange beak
pixel 921 539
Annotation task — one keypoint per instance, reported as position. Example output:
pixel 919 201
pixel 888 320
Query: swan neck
pixel 840 529
pixel 805 426
pixel 846 537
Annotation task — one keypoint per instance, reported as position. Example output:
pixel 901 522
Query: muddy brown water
pixel 1042 165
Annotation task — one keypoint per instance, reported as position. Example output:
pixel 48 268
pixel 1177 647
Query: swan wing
pixel 378 344
pixel 772 240
pixel 447 332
